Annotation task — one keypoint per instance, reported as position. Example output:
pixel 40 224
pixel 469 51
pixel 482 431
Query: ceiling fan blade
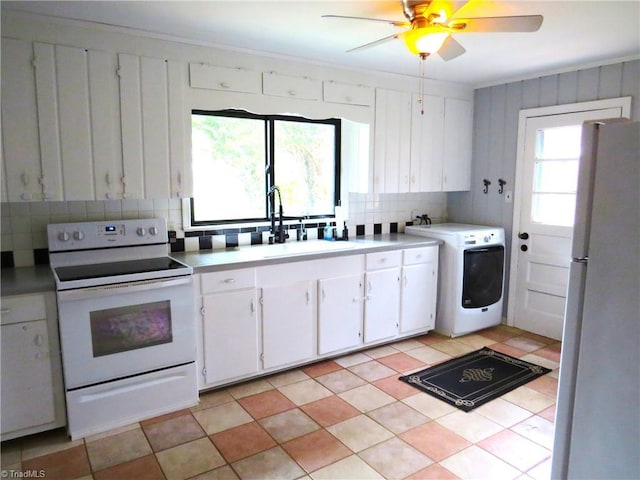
pixel 390 22
pixel 450 49
pixel 375 43
pixel 521 23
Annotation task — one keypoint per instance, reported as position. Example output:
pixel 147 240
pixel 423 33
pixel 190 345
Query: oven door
pixel 120 330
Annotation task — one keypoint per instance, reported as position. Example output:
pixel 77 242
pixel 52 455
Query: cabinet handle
pixel 37 340
pixel 292 93
pixel 253 306
pixel 308 297
pixel 324 295
pixel 224 85
pixel 229 281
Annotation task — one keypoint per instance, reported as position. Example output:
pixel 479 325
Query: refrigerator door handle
pixel 580 260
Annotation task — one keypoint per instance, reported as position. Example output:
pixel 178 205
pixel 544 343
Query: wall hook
pixel 486 186
pixel 502 183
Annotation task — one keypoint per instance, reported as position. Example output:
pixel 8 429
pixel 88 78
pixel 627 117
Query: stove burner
pixel 114 269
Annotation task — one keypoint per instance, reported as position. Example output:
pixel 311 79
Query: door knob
pixel 524 248
pixel 523 236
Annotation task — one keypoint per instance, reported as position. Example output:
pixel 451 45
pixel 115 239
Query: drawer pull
pixel 225 85
pixel 229 281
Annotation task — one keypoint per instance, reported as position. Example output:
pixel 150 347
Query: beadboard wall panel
pixel 496 133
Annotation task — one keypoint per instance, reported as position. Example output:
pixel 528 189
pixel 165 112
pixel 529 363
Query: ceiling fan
pixel 431 23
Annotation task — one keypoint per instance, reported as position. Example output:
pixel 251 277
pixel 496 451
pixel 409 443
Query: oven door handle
pixel 120 288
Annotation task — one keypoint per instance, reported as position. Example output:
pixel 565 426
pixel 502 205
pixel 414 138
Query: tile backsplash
pixel 23 240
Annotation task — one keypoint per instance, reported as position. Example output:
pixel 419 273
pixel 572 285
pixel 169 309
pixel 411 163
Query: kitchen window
pixel 239 156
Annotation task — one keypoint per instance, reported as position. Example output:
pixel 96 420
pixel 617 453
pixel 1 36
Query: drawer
pixel 390 259
pixel 211 77
pixel 304 88
pixel 336 92
pixel 23 308
pixel 227 280
pixel 415 256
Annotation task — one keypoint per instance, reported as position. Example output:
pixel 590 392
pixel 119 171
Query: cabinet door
pixel 287 324
pixel 179 131
pixel 105 125
pixel 419 289
pixel 27 382
pixel 392 141
pixel 231 341
pixel 340 309
pixel 382 306
pixel 426 144
pixel 458 135
pixel 21 152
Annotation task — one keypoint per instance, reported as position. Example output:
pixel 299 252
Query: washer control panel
pixel 106 234
pixel 488 237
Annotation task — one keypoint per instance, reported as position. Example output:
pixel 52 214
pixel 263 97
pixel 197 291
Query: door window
pixel 555 175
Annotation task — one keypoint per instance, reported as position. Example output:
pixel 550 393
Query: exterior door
pixel 547 172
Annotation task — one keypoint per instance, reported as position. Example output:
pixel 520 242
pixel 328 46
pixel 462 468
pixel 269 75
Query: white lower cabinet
pixel 231 336
pixel 382 295
pixel 264 319
pixel 340 310
pixel 419 290
pixel 32 390
pixel 382 306
pixel 288 320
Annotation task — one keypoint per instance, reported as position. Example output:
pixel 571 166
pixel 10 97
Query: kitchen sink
pixel 306 248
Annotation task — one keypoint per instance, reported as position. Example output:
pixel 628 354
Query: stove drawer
pixel 227 280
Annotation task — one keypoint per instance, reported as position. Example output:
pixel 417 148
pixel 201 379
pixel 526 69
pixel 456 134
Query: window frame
pixel 271 162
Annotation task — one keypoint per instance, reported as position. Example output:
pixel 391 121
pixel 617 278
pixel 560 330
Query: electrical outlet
pixel 508 197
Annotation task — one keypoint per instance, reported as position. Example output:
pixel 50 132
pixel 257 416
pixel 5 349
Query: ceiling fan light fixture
pixel 424 41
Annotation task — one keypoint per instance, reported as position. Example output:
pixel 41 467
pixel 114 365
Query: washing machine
pixel 471 276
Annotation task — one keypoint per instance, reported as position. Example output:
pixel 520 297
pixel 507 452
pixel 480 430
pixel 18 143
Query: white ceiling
pixel 573 34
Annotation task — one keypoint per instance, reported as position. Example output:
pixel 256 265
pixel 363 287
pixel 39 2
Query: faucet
pixel 279 235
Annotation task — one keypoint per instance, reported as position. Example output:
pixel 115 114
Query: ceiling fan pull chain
pixel 421 99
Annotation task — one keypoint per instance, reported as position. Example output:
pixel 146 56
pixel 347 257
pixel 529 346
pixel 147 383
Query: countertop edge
pixel 39 278
pixel 240 257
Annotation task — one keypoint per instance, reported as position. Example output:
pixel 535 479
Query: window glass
pixel 238 156
pixel 228 167
pixel 304 167
pixel 555 175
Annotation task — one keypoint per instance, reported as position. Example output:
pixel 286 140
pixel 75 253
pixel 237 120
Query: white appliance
pixel 597 427
pixel 127 323
pixel 471 278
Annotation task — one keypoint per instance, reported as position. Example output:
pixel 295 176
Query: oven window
pixel 117 330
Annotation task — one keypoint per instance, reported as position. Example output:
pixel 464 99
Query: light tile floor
pixel 346 418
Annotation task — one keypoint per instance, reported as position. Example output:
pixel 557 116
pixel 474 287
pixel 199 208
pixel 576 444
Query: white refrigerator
pixel 597 427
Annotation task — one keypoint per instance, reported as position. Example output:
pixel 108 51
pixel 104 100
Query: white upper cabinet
pixel 179 132
pixel 458 138
pixel 303 88
pixel 337 92
pixel 21 153
pixel 392 137
pixel 154 131
pixel 229 79
pixel 104 99
pixel 427 128
pixel 155 127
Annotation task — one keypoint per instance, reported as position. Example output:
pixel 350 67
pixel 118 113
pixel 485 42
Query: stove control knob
pixel 487 239
pixel 63 236
pixel 79 235
pixel 141 231
pixel 153 230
